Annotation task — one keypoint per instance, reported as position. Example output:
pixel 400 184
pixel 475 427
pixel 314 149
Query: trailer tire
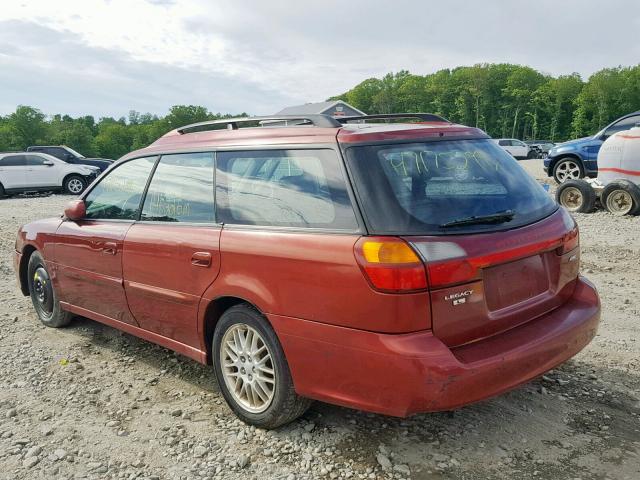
pixel 577 196
pixel 621 197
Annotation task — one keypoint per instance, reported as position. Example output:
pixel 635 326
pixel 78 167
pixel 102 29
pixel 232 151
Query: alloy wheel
pixel 568 170
pixel 75 185
pixel 247 368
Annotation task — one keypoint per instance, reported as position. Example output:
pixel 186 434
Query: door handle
pixel 201 259
pixel 109 248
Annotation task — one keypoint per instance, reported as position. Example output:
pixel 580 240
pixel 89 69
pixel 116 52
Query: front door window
pixel 118 195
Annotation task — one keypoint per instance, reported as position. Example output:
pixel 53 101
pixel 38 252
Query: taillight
pixel 570 241
pixel 390 264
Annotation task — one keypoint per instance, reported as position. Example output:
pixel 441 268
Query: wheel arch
pixel 213 310
pixel 72 174
pixel 559 158
pixel 27 251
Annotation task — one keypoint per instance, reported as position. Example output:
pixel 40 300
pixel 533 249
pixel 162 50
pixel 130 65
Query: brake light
pixel 570 241
pixel 450 263
pixel 390 264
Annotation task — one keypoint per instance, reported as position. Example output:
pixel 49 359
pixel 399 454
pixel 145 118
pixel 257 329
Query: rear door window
pixel 34 160
pixel 285 188
pixel 56 152
pixel 118 195
pixel 419 188
pixel 181 190
pixel 14 161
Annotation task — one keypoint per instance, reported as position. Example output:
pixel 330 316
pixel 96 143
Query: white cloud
pixel 255 55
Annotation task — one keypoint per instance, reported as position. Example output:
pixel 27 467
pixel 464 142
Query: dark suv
pixel 579 158
pixel 69 155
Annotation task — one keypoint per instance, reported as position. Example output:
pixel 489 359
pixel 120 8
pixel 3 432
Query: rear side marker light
pixel 570 241
pixel 390 264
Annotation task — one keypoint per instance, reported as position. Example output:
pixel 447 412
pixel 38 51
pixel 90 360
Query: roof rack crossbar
pixel 425 117
pixel 316 120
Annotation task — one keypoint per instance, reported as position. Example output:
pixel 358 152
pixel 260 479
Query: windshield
pixel 428 188
pixel 78 155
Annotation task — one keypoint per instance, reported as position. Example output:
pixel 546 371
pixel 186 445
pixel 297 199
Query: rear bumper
pixel 404 374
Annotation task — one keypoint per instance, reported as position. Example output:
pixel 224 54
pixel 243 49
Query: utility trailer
pixel 617 188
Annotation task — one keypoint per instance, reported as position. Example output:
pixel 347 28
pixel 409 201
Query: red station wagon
pixel 390 267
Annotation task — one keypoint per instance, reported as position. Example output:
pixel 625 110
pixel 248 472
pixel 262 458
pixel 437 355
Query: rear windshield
pixel 423 188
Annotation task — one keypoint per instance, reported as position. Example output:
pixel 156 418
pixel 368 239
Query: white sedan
pixel 33 172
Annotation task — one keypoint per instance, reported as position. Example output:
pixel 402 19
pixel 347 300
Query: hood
pixel 88 168
pixel 577 141
pixel 573 145
pixel 96 159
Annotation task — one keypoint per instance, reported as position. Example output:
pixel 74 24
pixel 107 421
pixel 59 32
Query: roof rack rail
pixel 316 120
pixel 425 117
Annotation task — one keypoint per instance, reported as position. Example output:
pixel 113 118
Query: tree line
pixel 507 100
pixel 108 137
pixel 504 100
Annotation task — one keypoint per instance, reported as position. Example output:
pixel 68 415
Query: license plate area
pixel 515 282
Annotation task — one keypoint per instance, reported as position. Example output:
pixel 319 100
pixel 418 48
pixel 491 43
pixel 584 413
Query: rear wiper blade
pixel 498 217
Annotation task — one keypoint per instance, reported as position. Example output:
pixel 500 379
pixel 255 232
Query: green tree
pixel 113 140
pixel 181 115
pixel 607 95
pixel 28 126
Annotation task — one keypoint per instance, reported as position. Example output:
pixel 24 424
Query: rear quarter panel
pixel 312 276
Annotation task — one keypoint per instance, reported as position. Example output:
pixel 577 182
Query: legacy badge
pixel 459 297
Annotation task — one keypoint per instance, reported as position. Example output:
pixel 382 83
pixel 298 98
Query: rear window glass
pixel 288 188
pixel 419 188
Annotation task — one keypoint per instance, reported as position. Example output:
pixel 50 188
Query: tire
pixel 2 192
pixel 43 296
pixel 533 153
pixel 256 405
pixel 567 168
pixel 576 196
pixel 74 184
pixel 621 197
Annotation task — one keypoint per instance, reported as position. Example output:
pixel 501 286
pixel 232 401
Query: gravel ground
pixel 90 402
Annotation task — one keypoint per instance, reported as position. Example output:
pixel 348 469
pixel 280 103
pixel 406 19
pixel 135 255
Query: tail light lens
pixel 390 264
pixel 570 241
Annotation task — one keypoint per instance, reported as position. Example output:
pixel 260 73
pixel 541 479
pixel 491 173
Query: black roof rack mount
pixel 425 117
pixel 316 120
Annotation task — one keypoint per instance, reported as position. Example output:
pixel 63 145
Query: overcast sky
pixel 106 57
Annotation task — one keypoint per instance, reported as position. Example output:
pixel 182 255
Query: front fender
pixel 33 236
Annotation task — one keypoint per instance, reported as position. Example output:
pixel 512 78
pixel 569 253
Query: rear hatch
pixel 498 252
pixel 483 284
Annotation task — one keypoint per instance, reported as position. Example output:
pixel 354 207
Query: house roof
pixel 309 108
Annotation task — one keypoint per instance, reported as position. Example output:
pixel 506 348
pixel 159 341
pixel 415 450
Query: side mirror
pixel 76 209
pixel 48 163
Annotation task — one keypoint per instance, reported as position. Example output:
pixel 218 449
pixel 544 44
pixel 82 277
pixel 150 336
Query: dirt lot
pixel 90 402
